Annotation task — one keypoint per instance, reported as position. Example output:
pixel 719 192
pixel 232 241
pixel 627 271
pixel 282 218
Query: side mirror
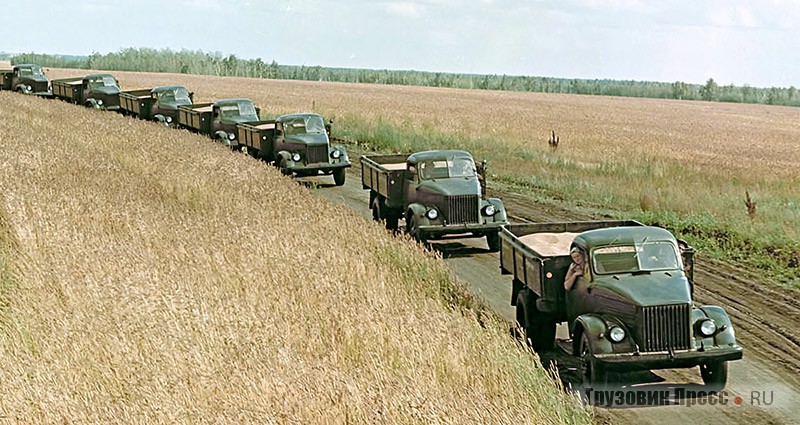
pixel 191 96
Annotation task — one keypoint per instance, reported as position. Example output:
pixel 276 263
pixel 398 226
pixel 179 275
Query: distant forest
pixel 198 62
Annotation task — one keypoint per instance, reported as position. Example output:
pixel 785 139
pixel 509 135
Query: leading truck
pixel 99 91
pixel 631 310
pixel 26 79
pixel 437 192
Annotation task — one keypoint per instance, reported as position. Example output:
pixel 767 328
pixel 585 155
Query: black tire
pixel 339 175
pixel 493 241
pixel 412 229
pixel 539 329
pixel 593 373
pixel 715 375
pixel 392 221
pixel 285 171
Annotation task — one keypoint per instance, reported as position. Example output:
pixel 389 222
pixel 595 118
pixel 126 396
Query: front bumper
pixel 453 229
pixel 666 360
pixel 319 166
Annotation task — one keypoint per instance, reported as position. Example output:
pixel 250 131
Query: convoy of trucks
pixel 438 193
pixel 630 307
pixel 26 79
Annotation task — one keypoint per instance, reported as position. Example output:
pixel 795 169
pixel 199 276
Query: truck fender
pixel 92 103
pixel 23 88
pixel 283 159
pixel 500 215
pixel 726 337
pixel 418 211
pixel 342 150
pixel 161 120
pixel 222 136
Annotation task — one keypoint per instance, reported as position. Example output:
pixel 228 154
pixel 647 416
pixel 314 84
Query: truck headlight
pixel 100 102
pixel 28 87
pixel 707 327
pixel 489 210
pixel 336 154
pixel 616 334
pixel 169 119
pixel 432 214
pixel 296 157
pixel 231 136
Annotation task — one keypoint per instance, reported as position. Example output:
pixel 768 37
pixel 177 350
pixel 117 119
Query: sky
pixel 753 42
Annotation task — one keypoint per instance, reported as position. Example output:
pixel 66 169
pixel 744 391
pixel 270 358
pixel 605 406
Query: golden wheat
pixel 154 277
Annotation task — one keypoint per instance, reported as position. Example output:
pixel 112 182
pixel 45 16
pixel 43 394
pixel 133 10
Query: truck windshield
pixel 105 81
pixel 179 95
pixel 33 71
pixel 459 167
pixel 307 124
pixel 241 109
pixel 649 256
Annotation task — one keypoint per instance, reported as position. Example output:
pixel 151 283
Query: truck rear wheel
pixel 540 330
pixel 715 375
pixel 593 373
pixel 339 176
pixel 493 241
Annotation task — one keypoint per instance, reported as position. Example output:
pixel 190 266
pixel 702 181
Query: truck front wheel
pixel 493 241
pixel 339 176
pixel 413 229
pixel 715 375
pixel 593 373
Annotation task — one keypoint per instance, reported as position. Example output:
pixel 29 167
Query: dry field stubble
pixel 154 277
pixel 632 154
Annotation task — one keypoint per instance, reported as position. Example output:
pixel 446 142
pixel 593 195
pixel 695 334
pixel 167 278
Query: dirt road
pixel 765 320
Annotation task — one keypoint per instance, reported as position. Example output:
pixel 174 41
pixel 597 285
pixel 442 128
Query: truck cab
pixel 26 79
pixel 631 309
pixel 100 91
pixel 226 114
pixel 302 147
pixel 165 102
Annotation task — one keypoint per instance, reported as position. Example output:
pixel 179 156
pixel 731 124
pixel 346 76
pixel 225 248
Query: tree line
pixel 205 63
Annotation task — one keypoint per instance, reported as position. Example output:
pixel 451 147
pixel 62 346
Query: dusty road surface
pixel 763 387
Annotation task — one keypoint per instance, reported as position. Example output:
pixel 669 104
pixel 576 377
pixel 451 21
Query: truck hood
pixel 647 289
pixel 33 79
pixel 239 118
pixel 451 186
pixel 309 139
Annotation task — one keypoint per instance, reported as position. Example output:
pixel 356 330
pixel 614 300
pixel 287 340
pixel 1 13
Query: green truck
pixel 99 91
pixel 157 104
pixel 437 192
pixel 219 119
pixel 26 79
pixel 631 310
pixel 299 144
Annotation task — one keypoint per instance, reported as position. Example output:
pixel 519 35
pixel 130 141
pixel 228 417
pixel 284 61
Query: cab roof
pixel 628 235
pixel 99 75
pixel 288 117
pixel 163 89
pixel 438 155
pixel 224 102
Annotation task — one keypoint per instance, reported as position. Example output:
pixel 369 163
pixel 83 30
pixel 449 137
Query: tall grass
pixel 158 278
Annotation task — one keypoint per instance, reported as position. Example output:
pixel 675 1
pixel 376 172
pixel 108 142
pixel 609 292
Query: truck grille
pixel 665 327
pixel 462 209
pixel 316 154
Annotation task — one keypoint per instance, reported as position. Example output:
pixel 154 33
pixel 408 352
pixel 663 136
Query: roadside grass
pixel 703 205
pixel 160 278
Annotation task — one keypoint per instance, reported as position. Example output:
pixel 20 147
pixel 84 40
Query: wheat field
pixel 151 276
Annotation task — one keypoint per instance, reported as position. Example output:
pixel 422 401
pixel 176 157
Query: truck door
pixel 410 185
pixel 578 299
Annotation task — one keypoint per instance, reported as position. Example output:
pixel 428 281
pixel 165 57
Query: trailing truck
pixel 437 192
pixel 157 104
pixel 99 91
pixel 299 144
pixel 219 119
pixel 26 79
pixel 631 309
